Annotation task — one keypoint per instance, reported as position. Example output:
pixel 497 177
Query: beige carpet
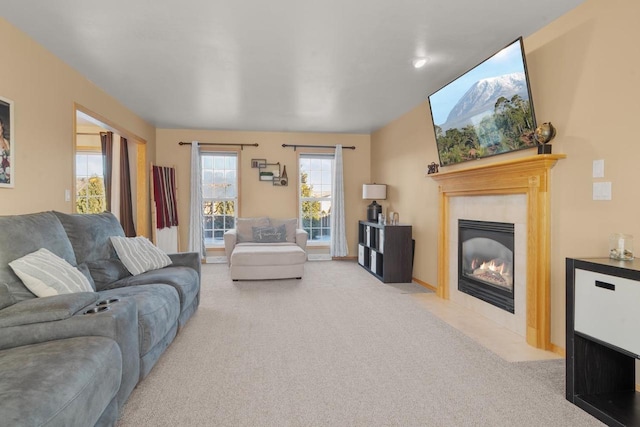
pixel 337 348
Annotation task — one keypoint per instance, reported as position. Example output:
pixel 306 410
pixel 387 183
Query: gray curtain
pixel 339 247
pixel 196 214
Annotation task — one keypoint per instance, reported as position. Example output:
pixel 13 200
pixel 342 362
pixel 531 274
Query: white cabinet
pixel 608 308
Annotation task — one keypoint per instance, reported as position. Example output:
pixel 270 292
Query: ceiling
pixel 282 65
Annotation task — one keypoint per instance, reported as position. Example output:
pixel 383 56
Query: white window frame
pixel 213 242
pixel 326 221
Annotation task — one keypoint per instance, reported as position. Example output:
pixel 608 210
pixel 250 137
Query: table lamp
pixel 374 192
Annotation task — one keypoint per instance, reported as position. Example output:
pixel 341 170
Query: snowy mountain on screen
pixel 480 99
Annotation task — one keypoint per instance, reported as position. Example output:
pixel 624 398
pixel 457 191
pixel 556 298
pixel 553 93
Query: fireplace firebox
pixel 485 261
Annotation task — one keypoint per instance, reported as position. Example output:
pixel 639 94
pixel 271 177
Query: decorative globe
pixel 544 133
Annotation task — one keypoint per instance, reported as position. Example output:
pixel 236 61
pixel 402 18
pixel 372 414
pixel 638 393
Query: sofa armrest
pixel 187 259
pixel 230 240
pixel 301 238
pixel 47 309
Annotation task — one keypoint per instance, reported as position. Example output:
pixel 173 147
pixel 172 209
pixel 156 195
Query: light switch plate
pixel 598 168
pixel 602 191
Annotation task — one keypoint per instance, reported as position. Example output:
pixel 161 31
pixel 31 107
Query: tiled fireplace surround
pixel 514 191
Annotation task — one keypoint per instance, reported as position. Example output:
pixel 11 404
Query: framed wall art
pixel 7 144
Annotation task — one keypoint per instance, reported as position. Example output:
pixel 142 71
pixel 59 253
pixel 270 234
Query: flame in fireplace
pixel 495 271
pixel 496 267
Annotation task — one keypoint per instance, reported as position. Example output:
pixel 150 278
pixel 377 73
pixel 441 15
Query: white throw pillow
pixel 138 254
pixel 46 274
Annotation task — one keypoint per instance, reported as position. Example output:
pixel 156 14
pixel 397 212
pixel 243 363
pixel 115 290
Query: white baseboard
pixel 216 260
pixel 319 257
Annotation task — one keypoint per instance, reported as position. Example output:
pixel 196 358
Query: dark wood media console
pixel 386 251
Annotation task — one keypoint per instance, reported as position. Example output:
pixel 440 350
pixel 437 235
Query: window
pixel 219 194
pixel 316 172
pixel 90 197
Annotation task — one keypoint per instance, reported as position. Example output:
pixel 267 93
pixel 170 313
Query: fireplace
pixel 485 261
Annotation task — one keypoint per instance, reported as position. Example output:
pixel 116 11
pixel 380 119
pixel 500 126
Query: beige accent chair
pixel 266 248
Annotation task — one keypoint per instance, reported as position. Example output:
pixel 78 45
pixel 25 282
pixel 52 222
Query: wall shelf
pixel 270 172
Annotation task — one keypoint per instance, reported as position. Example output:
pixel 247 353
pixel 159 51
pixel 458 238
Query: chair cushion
pixel 268 254
pixel 244 227
pixel 290 225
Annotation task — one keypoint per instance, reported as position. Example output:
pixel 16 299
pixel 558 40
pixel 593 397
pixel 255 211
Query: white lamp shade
pixel 374 191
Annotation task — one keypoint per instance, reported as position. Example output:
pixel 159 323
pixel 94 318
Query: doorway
pixel 89 175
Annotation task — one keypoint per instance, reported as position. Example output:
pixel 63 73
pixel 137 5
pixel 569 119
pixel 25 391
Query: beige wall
pixel 44 90
pixel 584 72
pixel 400 153
pixel 262 198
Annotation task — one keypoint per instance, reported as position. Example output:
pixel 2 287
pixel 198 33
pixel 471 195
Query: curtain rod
pixel 221 143
pixel 295 146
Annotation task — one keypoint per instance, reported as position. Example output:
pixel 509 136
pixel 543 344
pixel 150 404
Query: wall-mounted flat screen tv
pixel 486 111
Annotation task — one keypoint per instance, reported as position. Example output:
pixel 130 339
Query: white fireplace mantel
pixel 526 175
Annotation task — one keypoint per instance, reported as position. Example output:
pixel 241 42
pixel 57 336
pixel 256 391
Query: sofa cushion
pixel 89 234
pixel 270 234
pixel 85 270
pixel 272 254
pixel 244 227
pixel 46 274
pixel 6 299
pixel 290 224
pixel 22 234
pixel 106 271
pixel 138 254
pixel 67 382
pixel 158 310
pixel 184 279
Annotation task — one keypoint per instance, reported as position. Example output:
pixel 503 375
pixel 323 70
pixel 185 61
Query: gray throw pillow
pixel 270 234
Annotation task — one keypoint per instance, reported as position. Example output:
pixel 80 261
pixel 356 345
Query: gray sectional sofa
pixel 74 359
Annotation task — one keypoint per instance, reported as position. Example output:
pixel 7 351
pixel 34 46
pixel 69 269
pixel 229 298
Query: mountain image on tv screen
pixel 486 111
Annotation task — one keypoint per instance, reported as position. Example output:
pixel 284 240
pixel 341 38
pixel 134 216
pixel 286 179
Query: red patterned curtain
pixel 164 193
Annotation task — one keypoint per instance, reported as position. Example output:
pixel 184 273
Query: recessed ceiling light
pixel 419 62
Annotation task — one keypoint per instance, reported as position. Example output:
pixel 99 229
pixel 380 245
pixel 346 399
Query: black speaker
pixel 284 181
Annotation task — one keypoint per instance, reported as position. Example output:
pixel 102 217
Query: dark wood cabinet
pixel 386 251
pixel 603 343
